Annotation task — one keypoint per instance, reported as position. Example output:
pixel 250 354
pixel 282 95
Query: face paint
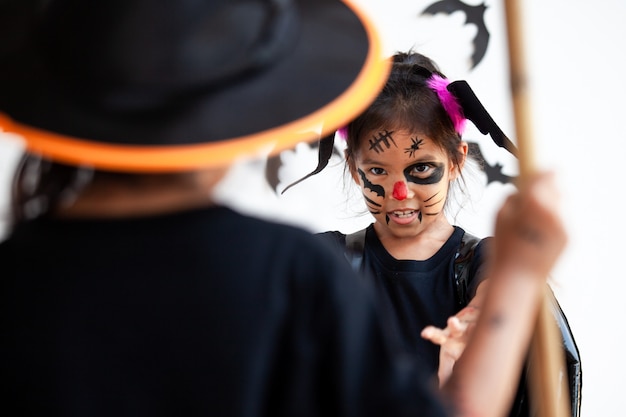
pixel 415 145
pixel 433 204
pixel 435 176
pixel 403 177
pixel 400 190
pixel 383 138
pixel 373 206
pixel 375 188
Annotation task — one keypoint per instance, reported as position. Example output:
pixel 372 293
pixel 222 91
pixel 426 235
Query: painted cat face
pixel 404 178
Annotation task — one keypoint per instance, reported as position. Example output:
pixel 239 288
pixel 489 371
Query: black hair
pixel 42 186
pixel 407 102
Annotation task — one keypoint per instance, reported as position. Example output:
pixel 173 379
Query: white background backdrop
pixel 574 51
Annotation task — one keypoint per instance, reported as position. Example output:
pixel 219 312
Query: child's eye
pixel 421 170
pixel 377 171
pixel 425 172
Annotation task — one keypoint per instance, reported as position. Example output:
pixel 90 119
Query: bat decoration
pixel 325 151
pixel 493 172
pixel 474 110
pixel 473 15
pixel 272 166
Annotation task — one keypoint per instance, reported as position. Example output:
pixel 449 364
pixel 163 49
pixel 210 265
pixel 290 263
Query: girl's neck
pixel 418 247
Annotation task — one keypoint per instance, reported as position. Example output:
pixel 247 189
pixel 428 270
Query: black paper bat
pixel 493 172
pixel 272 166
pixel 473 14
pixel 274 163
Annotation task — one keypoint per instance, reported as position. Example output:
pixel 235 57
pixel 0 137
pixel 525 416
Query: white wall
pixel 574 54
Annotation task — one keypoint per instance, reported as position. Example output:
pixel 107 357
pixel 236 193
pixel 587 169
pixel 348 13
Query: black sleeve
pixel 333 239
pixel 478 270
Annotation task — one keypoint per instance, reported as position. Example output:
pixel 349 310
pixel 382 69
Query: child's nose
pixel 400 190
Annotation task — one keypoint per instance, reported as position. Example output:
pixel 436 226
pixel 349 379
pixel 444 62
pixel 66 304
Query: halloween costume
pixel 189 312
pixel 415 294
pixel 195 312
pixel 157 316
pixel 437 288
pixel 190 85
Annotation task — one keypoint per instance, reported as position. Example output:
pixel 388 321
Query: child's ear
pixel 455 170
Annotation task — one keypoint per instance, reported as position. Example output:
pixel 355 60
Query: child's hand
pixel 452 339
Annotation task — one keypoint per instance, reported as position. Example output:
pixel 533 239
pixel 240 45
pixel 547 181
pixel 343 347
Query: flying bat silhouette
pixel 325 148
pixel 473 14
pixel 272 166
pixel 493 172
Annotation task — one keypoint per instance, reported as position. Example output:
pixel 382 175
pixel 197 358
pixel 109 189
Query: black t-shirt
pixel 415 294
pixel 205 312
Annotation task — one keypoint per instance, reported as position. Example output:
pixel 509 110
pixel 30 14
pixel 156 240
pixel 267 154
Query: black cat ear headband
pixel 459 101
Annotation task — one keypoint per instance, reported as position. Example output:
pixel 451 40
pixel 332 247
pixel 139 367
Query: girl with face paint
pixel 404 152
pixel 405 178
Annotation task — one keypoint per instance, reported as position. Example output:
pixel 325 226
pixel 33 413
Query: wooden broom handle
pixel 549 393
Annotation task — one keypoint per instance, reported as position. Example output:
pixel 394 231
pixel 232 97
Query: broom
pixel 548 391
